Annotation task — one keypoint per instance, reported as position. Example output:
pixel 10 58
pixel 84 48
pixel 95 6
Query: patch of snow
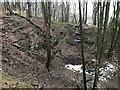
pixel 93 60
pixel 77 40
pixel 102 78
pixel 101 69
pixel 74 67
pixel 0 69
pixel 105 73
pixel 98 86
pixel 109 77
pixel 77 68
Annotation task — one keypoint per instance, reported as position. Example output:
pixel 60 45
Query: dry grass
pixel 23 13
pixel 9 81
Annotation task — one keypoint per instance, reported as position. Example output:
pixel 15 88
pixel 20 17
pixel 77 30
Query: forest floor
pixel 10 81
pixel 19 59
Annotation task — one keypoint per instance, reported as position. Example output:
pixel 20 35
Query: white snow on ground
pixel 77 68
pixel 105 73
pixel 74 67
pixel 0 69
pixel 94 60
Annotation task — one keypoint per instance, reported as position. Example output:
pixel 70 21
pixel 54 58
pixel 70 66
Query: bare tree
pixel 66 11
pixel 115 31
pixel 74 14
pixel 84 11
pixel 29 9
pixel 83 15
pixel 7 7
pixel 36 7
pixel 54 10
pixel 86 4
pixel 18 7
pixel 103 12
pixel 95 11
pixel 62 10
pixel 46 7
pixel 82 46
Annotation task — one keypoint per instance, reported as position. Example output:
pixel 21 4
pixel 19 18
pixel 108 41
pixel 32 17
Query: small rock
pixel 35 85
pixel 108 77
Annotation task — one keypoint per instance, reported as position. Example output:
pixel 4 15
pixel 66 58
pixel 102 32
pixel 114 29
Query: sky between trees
pixel 72 2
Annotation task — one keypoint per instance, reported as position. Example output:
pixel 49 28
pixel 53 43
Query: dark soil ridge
pixel 19 63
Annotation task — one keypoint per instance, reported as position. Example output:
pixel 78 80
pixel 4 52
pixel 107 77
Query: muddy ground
pixel 23 56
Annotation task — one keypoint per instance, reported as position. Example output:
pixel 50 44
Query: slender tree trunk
pixel 118 54
pixel 36 8
pixel 46 7
pixel 54 11
pixel 67 11
pixel 98 51
pixel 94 22
pixel 29 9
pixel 83 12
pixel 62 11
pixel 19 7
pixel 82 46
pixel 74 15
pixel 115 30
pixel 94 16
pixel 48 37
pixel 86 12
pixel 7 7
pixel 101 38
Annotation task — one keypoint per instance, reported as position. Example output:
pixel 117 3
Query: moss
pixel 94 29
pixel 65 24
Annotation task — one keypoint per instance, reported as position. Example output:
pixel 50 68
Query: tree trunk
pixel 29 9
pixel 35 8
pixel 48 37
pixel 46 7
pixel 116 31
pixel 94 16
pixel 118 54
pixel 86 12
pixel 101 37
pixel 62 11
pixel 98 51
pixel 82 46
pixel 19 7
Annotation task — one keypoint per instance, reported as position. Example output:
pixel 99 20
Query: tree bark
pixel 46 7
pixel 101 37
pixel 86 12
pixel 62 12
pixel 36 8
pixel 29 9
pixel 82 46
pixel 115 30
